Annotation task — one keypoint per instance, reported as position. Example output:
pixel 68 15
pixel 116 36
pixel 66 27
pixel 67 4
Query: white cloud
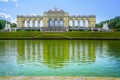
pixel 4 0
pixel 7 17
pixel 16 4
pixel 15 1
pixel 5 9
pixel 9 0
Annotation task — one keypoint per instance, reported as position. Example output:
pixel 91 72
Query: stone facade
pixel 55 18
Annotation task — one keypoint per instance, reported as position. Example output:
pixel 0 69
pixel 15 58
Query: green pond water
pixel 60 58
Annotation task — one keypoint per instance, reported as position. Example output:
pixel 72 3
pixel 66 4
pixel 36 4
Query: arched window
pixel 36 23
pixel 55 23
pixel 70 23
pixel 61 23
pixel 86 23
pixel 81 23
pixel 31 23
pixel 76 23
pixel 41 23
pixel 25 23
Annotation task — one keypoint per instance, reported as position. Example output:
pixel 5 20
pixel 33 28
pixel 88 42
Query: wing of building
pixel 55 20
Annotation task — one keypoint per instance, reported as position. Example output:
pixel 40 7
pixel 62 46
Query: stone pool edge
pixel 56 78
pixel 59 38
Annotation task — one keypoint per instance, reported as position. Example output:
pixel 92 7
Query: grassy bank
pixel 37 34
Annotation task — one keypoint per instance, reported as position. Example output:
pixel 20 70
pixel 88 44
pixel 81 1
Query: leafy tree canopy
pixel 3 22
pixel 112 23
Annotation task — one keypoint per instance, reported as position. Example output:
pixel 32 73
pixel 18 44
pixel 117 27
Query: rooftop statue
pixel 55 9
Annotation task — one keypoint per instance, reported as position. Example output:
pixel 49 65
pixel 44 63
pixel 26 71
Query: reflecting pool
pixel 60 58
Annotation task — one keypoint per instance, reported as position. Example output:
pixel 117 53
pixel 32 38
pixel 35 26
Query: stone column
pixel 53 23
pixel 33 23
pixel 22 23
pixel 90 23
pixel 73 24
pixel 38 23
pixel 42 23
pixel 18 23
pixel 46 22
pixel 63 23
pixel 94 22
pixel 66 22
pixel 83 23
pixel 28 23
pixel 58 22
pixel 78 23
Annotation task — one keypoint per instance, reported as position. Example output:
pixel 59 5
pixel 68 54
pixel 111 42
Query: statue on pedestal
pixel 7 27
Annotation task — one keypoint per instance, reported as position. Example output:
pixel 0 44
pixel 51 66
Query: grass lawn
pixel 37 34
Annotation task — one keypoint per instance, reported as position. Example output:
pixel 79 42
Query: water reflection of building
pixel 55 54
pixel 81 52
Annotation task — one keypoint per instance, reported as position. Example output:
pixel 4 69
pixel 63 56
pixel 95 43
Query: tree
pixel 13 25
pixel 118 25
pixel 2 24
pixel 112 23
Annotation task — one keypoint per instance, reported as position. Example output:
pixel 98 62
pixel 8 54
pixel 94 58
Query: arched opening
pixel 81 23
pixel 26 23
pixel 31 23
pixel 86 23
pixel 70 23
pixel 55 23
pixel 41 23
pixel 36 23
pixel 61 23
pixel 76 23
pixel 50 23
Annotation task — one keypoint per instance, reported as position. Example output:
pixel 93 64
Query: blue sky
pixel 103 9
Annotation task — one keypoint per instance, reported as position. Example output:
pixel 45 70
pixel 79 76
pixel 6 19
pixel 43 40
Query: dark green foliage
pixel 112 23
pixel 2 24
pixel 13 25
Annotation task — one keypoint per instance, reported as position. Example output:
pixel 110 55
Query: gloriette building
pixel 55 20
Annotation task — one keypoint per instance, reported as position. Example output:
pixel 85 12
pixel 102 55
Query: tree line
pixel 112 23
pixel 3 22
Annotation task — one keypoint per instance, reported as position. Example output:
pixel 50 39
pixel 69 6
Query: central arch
pixel 56 22
pixel 61 23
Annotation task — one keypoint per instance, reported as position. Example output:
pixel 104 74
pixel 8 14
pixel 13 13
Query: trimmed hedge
pixel 37 34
